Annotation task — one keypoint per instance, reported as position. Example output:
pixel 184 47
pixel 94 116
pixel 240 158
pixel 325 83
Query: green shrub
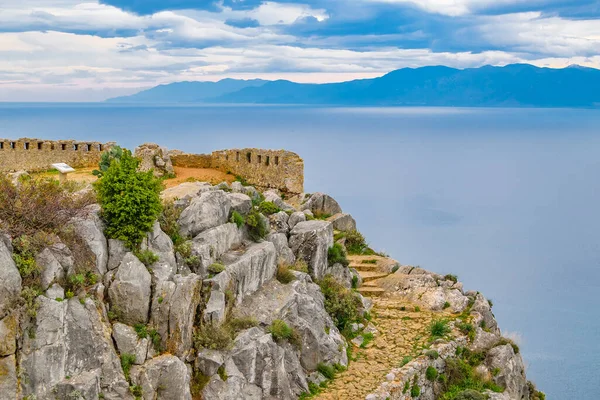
pixel 328 371
pixel 504 341
pixel 356 244
pixel 212 337
pixel 470 394
pixel 367 338
pixel 141 330
pixel 431 373
pixel 24 258
pixel 156 340
pixel 337 255
pixel 222 373
pixel 239 324
pixel 451 277
pixel 168 220
pixel 238 219
pixel 197 384
pixel 439 328
pixel 29 296
pixel 415 391
pixel 354 281
pixel 69 294
pixel 215 268
pixel 130 200
pixel 417 309
pixel 467 329
pixel 268 208
pixel 281 331
pixel 284 275
pixel 257 227
pixel 342 304
pixel 446 305
pixel 396 268
pixel 434 355
pixel 127 360
pixel 114 153
pixel 136 391
pixel 147 257
pixel 405 360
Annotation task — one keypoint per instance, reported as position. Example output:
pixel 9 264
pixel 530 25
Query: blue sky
pixel 68 50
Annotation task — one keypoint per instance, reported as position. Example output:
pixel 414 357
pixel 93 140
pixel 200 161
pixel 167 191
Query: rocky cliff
pixel 232 314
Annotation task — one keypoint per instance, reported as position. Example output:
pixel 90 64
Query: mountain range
pixel 515 85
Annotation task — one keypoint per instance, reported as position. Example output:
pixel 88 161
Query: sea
pixel 507 199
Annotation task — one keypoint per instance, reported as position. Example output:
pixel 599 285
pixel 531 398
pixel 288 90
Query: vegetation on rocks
pixel 237 219
pixel 147 257
pixel 130 200
pixel 268 208
pixel 257 227
pixel 343 305
pixel 114 153
pixel 281 331
pixel 284 274
pixel 337 255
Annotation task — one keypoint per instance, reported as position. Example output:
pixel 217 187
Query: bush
pixel 328 371
pixel 216 268
pixel 284 275
pixel 415 391
pixel 470 394
pixel 431 373
pixel 367 338
pixel 354 281
pixel 147 257
pixel 439 328
pixel 24 258
pixel 505 341
pixel 450 277
pixel 156 340
pixel 130 200
pixel 239 324
pixel 127 360
pixel 238 219
pixel 29 296
pixel 141 330
pixel 467 329
pixel 356 244
pixel 446 305
pixel 405 361
pixel 115 153
pixel 212 337
pixel 281 331
pixel 434 355
pixel 268 208
pixel 342 304
pixel 168 222
pixel 257 227
pixel 337 255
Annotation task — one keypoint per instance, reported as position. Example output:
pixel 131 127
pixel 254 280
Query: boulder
pixel 91 229
pixel 116 252
pixel 483 340
pixel 182 311
pixel 129 292
pixel 237 187
pixel 207 211
pixel 10 280
pixel 55 292
pixel 310 241
pixel 185 191
pixel 51 269
pixel 209 361
pixel 128 342
pixel 341 274
pixel 215 307
pixel 83 386
pixel 279 222
pixel 274 197
pixel 284 253
pixel 342 222
pixel 8 335
pixel 211 244
pixel 161 244
pixel 156 158
pixel 296 217
pixel 482 306
pixel 240 202
pixel 322 204
pixel 8 378
pixel 160 311
pixel 511 375
pixel 164 377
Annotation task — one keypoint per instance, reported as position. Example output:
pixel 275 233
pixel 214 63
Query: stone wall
pixel 38 154
pixel 278 169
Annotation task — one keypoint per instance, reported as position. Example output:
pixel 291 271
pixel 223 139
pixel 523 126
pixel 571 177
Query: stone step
pixel 371 276
pixel 370 291
pixel 365 267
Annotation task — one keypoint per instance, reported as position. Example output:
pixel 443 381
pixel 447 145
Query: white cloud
pixel 450 7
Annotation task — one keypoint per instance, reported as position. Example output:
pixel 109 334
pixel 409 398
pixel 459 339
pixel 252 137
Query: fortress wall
pixel 37 154
pixel 266 169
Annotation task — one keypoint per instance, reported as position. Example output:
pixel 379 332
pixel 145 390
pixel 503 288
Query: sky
pixel 90 50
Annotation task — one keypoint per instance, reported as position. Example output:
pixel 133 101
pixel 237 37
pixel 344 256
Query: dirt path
pixel 401 332
pixel 211 176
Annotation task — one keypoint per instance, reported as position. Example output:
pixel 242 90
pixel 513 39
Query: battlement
pixel 266 169
pixel 38 154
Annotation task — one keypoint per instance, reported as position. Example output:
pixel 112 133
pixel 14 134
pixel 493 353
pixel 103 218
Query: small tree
pixel 115 153
pixel 130 200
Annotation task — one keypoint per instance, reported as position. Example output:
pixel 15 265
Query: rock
pixel 10 280
pixel 156 158
pixel 8 377
pixel 341 274
pixel 160 314
pixel 343 222
pixel 51 269
pixel 116 252
pixel 55 292
pixel 309 214
pixel 164 377
pixel 182 311
pixel 209 210
pixel 279 222
pixel 274 197
pixel 160 244
pixel 8 335
pixel 128 342
pixel 130 291
pixel 323 204
pixel 223 186
pixel 511 373
pixel 310 241
pixel 483 340
pixel 211 244
pixel 209 361
pixel 237 187
pixel 355 273
pixel 240 202
pixel 83 386
pixel 358 341
pixel 296 217
pixel 284 253
pixel 15 177
pixel 482 306
pixel 252 192
pixel 235 388
pixel 215 308
pixel 185 191
pixel 91 230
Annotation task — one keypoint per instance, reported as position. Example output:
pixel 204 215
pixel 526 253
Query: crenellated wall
pixel 38 154
pixel 278 169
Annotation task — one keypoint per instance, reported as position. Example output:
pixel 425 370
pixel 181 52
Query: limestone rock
pixel 310 241
pixel 279 222
pixel 343 222
pixel 240 202
pixel 211 244
pixel 215 307
pixel 10 280
pixel 512 370
pixel 185 191
pixel 55 292
pixel 164 377
pixel 160 244
pixel 209 361
pixel 52 270
pixel 237 187
pixel 156 158
pixel 83 386
pixel 116 252
pixel 8 335
pixel 482 306
pixel 274 197
pixel 209 210
pixel 160 311
pixel 296 217
pixel 130 290
pixel 128 342
pixel 91 230
pixel 341 274
pixel 483 340
pixel 284 253
pixel 182 311
pixel 320 203
pixel 8 378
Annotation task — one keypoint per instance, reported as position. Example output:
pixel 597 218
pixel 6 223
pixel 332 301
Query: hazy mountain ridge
pixel 516 85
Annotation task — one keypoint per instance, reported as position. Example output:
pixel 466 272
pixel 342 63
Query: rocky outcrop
pixel 10 279
pixel 343 222
pixel 310 241
pixel 129 292
pixel 156 158
pixel 164 377
pixel 209 210
pixel 322 204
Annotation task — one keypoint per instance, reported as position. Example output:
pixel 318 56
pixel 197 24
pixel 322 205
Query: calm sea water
pixel 507 199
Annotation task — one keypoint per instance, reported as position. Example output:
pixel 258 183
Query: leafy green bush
pixel 141 330
pixel 24 257
pixel 215 268
pixel 356 244
pixel 257 227
pixel 446 305
pixel 337 255
pixel 367 338
pixel 439 328
pixel 115 153
pixel 284 274
pixel 156 340
pixel 405 360
pixel 467 329
pixel 354 281
pixel 470 394
pixel 342 304
pixel 147 257
pixel 238 219
pixel 431 374
pixel 29 296
pixel 239 324
pixel 130 200
pixel 460 377
pixel 415 391
pixel 268 208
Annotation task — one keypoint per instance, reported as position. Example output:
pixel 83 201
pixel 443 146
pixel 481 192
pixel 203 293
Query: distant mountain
pixel 517 85
pixel 188 92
